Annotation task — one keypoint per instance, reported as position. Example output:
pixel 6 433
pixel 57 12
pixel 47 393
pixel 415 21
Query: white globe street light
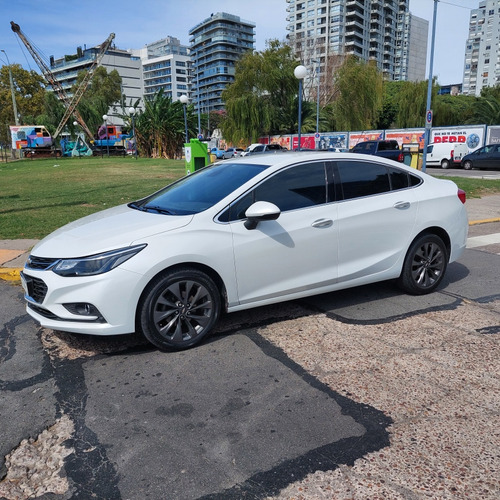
pixel 184 100
pixel 300 73
pixel 131 112
pixel 105 118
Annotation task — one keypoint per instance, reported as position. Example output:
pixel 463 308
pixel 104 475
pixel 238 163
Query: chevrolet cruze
pixel 245 233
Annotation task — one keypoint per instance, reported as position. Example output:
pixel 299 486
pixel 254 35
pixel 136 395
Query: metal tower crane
pixel 70 104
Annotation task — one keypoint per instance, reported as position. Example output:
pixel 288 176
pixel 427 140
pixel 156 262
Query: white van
pixel 446 154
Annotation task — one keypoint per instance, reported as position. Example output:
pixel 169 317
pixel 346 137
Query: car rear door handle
pixel 322 223
pixel 402 205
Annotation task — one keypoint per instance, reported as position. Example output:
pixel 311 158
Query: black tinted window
pixel 399 178
pixel 296 187
pixel 360 179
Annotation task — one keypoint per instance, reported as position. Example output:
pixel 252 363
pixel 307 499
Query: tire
pixel 467 165
pixel 445 163
pixel 424 266
pixel 178 309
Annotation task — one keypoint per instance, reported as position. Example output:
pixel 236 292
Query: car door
pixel 375 219
pixel 495 157
pixel 294 253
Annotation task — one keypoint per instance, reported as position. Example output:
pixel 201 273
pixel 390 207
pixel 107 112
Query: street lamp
pixel 300 73
pixel 317 61
pixel 131 112
pixel 184 100
pixel 14 105
pixel 105 118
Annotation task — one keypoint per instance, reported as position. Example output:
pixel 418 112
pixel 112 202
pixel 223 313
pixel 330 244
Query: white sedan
pixel 245 233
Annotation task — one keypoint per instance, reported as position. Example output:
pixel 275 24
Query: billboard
pixel 407 136
pixel 371 135
pixel 473 135
pixel 493 136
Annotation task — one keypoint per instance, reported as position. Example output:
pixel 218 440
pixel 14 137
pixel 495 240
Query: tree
pixel 359 100
pixel 29 90
pixel 103 92
pixel 160 130
pixel 261 98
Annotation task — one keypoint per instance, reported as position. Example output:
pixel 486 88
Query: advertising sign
pixel 493 135
pixel 372 135
pixel 407 136
pixel 306 141
pixel 473 136
pixel 333 141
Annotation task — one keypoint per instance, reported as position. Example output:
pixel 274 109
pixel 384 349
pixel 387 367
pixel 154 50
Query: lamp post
pixel 105 118
pixel 14 105
pixel 300 73
pixel 317 61
pixel 184 100
pixel 428 112
pixel 131 112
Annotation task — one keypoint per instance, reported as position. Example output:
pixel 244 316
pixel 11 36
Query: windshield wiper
pixel 160 210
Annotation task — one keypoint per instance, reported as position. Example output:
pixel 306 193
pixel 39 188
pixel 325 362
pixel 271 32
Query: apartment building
pixel 216 45
pixel 373 30
pixel 482 53
pixel 66 69
pixel 166 65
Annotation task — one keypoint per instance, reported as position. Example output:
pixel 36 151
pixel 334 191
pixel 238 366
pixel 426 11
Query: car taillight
pixel 462 195
pixel 452 154
pixel 401 158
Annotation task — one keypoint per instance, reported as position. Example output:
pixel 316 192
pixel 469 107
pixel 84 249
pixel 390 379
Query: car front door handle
pixel 322 223
pixel 402 205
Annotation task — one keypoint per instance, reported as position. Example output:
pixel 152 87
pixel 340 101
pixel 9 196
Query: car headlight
pixel 95 264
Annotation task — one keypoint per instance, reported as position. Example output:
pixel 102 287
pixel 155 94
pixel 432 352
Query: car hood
pixel 116 227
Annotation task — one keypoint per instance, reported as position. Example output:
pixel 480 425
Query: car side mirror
pixel 260 211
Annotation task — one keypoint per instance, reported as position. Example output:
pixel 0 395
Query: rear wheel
pixel 445 163
pixel 179 308
pixel 467 165
pixel 424 265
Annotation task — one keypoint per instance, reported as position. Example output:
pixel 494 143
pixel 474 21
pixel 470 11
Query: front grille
pixel 43 312
pixel 36 288
pixel 39 263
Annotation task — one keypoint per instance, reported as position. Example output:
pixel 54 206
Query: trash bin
pixel 196 155
pixel 410 154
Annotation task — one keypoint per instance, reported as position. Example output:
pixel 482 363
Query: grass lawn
pixel 38 196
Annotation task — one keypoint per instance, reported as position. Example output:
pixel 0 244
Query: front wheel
pixel 179 308
pixel 467 165
pixel 424 265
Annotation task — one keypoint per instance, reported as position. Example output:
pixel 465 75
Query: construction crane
pixel 70 104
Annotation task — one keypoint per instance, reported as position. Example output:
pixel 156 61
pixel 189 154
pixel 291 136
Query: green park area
pixel 38 196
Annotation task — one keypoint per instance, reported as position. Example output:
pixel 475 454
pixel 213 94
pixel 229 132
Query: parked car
pixel 263 148
pixel 483 158
pixel 245 233
pixel 386 149
pixel 445 154
pixel 235 152
pixel 221 154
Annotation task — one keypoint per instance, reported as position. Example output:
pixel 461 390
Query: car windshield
pixel 199 191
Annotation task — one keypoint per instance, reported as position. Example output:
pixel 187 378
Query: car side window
pixel 399 178
pixel 359 179
pixel 296 187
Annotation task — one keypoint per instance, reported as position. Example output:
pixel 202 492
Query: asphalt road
pixel 232 418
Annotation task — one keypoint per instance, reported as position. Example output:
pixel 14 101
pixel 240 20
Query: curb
pixel 484 221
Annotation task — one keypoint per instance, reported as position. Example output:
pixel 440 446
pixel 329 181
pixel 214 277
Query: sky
pixel 58 27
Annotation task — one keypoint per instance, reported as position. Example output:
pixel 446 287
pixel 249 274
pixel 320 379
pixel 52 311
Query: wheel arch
pixel 438 231
pixel 214 275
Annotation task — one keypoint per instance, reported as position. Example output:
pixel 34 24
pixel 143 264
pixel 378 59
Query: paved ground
pixel 391 398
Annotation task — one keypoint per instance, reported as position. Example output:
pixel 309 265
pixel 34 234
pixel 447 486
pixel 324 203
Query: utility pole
pixel 428 111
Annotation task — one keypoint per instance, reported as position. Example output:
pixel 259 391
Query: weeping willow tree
pixel 360 95
pixel 160 130
pixel 262 98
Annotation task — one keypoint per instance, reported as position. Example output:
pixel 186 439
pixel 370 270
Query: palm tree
pixel 160 127
pixel 487 111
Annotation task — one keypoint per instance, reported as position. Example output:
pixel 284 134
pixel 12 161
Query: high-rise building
pixel 368 29
pixel 482 52
pixel 216 45
pixel 166 65
pixel 411 48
